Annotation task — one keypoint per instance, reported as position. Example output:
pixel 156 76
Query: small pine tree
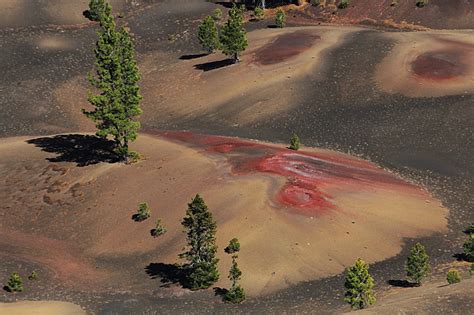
pixel 470 229
pixel 236 293
pixel 343 4
pixel 217 14
pixel 259 13
pixel 33 276
pixel 468 248
pixel 143 212
pixel 159 229
pixel 117 104
pixel 359 285
pixel 417 265
pixel 294 143
pixel 280 18
pixel 233 35
pixel 15 284
pixel 200 229
pixel 453 276
pixel 208 35
pixel 422 3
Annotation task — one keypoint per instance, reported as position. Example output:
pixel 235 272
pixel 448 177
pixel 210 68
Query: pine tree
pixel 159 229
pixel 143 212
pixel 280 18
pixel 259 13
pixel 200 229
pixel 116 78
pixel 468 248
pixel 208 35
pixel 417 265
pixel 236 293
pixel 233 36
pixel 359 285
pixel 33 276
pixel 96 9
pixel 294 143
pixel 15 284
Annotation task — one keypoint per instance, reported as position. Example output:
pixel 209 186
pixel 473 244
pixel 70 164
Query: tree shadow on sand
pixel 168 273
pixel 401 283
pixel 190 57
pixel 214 65
pixel 81 149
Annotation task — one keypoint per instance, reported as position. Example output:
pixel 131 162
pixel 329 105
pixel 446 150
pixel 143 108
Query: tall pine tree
pixel 233 34
pixel 208 35
pixel 118 103
pixel 200 229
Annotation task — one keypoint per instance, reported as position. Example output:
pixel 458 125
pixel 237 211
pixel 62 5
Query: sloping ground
pixel 40 308
pixel 299 215
pixel 431 298
pixel 438 14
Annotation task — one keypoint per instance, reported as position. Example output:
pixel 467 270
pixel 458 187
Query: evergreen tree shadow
pixel 6 288
pixel 220 292
pixel 81 149
pixel 401 283
pixel 461 257
pixel 213 65
pixel 168 273
pixel 194 56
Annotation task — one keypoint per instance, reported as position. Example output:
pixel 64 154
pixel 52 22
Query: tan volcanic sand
pixel 428 64
pixel 40 308
pixel 84 213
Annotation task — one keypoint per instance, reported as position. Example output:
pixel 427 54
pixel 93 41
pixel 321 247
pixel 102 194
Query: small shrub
pixel 468 248
pixel 343 4
pixel 143 212
pixel 421 3
pixel 133 157
pixel 217 14
pixel 159 229
pixel 33 276
pixel 315 3
pixel 453 276
pixel 235 295
pixel 259 13
pixel 280 18
pixel 15 284
pixel 294 143
pixel 394 3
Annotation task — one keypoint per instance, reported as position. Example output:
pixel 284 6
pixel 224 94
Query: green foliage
pixel 159 229
pixel 417 265
pixel 422 3
pixel 236 293
pixel 118 101
pixel 343 4
pixel 259 13
pixel 453 276
pixel 234 36
pixel 96 9
pixel 470 229
pixel 208 35
pixel 471 271
pixel 33 276
pixel 200 228
pixel 294 142
pixel 233 247
pixel 143 212
pixel 280 18
pixel 15 284
pixel 468 248
pixel 217 14
pixel 359 285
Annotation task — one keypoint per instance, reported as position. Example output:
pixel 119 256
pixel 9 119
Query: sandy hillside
pixel 293 213
pixel 40 308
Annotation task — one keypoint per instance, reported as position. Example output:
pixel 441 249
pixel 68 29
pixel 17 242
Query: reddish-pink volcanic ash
pixel 309 175
pixel 441 65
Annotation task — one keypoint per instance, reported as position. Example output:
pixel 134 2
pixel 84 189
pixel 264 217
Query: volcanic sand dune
pixel 40 308
pixel 298 215
pixel 430 64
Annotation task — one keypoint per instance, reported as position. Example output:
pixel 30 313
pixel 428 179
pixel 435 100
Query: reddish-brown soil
pixel 440 65
pixel 285 46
